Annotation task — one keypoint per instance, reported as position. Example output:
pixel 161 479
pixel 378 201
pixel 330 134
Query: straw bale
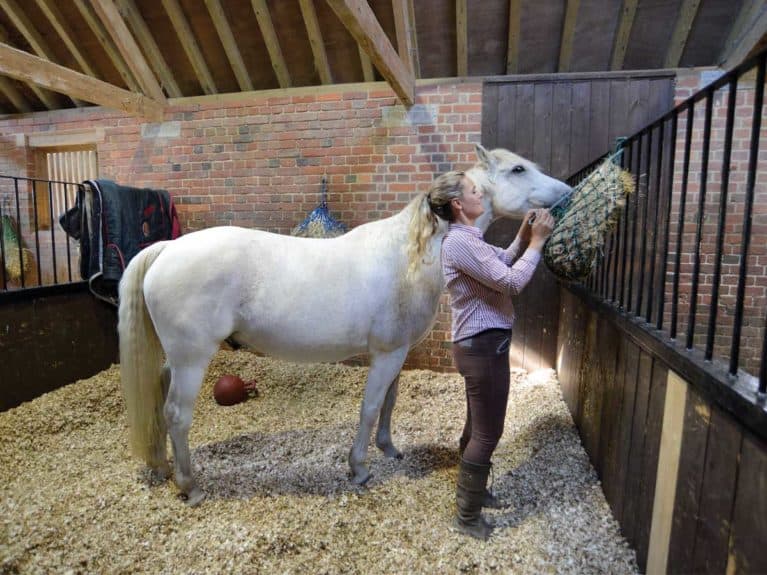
pixel 278 496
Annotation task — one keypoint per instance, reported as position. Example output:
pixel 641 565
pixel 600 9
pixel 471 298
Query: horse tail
pixel 141 358
pixel 423 225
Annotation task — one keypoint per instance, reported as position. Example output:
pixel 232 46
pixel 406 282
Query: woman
pixel 481 279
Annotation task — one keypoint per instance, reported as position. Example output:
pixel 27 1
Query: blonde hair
pixel 424 223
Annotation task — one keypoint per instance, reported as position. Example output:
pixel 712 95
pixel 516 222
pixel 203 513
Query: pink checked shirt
pixel 481 279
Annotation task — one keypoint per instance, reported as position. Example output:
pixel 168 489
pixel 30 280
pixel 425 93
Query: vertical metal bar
pixel 699 220
pixel 667 227
pixel 728 128
pixel 763 364
pixel 66 237
pixel 634 225
pixel 655 225
pixel 756 125
pixel 682 207
pixel 2 246
pixel 37 233
pixel 18 223
pixel 617 235
pixel 625 231
pixel 53 232
pixel 643 230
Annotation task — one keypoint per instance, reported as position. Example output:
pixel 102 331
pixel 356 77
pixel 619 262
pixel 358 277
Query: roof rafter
pixel 512 50
pixel 368 73
pixel 568 33
pixel 748 31
pixel 315 40
pixel 229 43
pixel 41 94
pixel 272 42
pixel 628 12
pixel 56 19
pixel 144 38
pixel 359 19
pixel 98 30
pixel 684 21
pixel 405 30
pixel 189 43
pixel 12 93
pixel 28 68
pixel 461 38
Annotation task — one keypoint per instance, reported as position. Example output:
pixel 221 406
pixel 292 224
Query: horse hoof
pixel 390 451
pixel 361 478
pixel 194 497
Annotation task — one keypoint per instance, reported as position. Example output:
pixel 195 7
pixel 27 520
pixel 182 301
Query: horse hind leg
pixel 384 368
pixel 159 467
pixel 383 436
pixel 184 387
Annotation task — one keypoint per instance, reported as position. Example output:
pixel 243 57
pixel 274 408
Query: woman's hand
pixel 525 230
pixel 541 228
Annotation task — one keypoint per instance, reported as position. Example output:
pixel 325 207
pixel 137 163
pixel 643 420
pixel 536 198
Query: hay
pixel 274 470
pixel 15 264
pixel 582 223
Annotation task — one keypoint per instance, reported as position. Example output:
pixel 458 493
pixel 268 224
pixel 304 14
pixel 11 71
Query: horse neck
pixel 483 222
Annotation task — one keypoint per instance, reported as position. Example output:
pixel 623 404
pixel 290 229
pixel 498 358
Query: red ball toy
pixel 229 389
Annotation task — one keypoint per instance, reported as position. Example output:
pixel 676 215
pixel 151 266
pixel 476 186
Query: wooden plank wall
pixel 704 509
pixel 51 340
pixel 562 122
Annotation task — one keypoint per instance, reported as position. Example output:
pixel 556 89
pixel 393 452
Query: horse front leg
pixel 185 385
pixel 384 368
pixel 383 436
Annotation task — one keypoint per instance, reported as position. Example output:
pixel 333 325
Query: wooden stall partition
pixel 685 476
pixel 51 337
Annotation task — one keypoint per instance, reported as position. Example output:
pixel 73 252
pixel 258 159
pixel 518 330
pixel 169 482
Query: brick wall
pixel 258 161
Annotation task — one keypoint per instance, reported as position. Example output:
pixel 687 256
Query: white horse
pixel 299 299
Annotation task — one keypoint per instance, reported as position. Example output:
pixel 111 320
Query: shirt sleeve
pixel 480 261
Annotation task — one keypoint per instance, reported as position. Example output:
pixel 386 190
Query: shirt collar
pixel 474 231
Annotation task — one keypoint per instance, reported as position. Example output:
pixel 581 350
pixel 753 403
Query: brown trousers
pixel 483 361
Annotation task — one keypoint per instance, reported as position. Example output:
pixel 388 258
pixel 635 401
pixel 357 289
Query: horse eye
pixel 518 169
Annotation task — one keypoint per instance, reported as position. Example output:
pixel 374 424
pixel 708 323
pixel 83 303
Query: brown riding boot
pixel 469 495
pixel 489 500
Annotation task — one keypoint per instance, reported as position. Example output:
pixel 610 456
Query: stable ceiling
pixel 137 54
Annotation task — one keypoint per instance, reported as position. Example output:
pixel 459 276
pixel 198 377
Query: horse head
pixel 512 185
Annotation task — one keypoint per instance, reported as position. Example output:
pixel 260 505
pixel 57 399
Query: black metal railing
pixel 689 254
pixel 34 249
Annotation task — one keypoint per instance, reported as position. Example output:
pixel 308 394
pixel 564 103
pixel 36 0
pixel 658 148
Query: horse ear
pixel 483 154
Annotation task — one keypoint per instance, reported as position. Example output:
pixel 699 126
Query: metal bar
pixel 680 230
pixel 699 221
pixel 625 232
pixel 66 237
pixel 18 219
pixel 53 231
pixel 634 225
pixel 756 124
pixel 2 247
pixel 667 227
pixel 763 365
pixel 37 235
pixel 643 230
pixel 726 154
pixel 653 251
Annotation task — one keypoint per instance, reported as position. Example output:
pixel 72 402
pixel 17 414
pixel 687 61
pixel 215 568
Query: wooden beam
pixel 362 24
pixel 413 39
pixel 272 43
pixel 230 44
pixel 628 12
pixel 403 27
pixel 28 68
pixel 747 33
pixel 188 42
pixel 42 95
pixel 368 73
pixel 684 21
pixel 145 40
pixel 100 33
pixel 52 12
pixel 12 93
pixel 512 50
pixel 315 41
pixel 461 38
pixel 568 33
